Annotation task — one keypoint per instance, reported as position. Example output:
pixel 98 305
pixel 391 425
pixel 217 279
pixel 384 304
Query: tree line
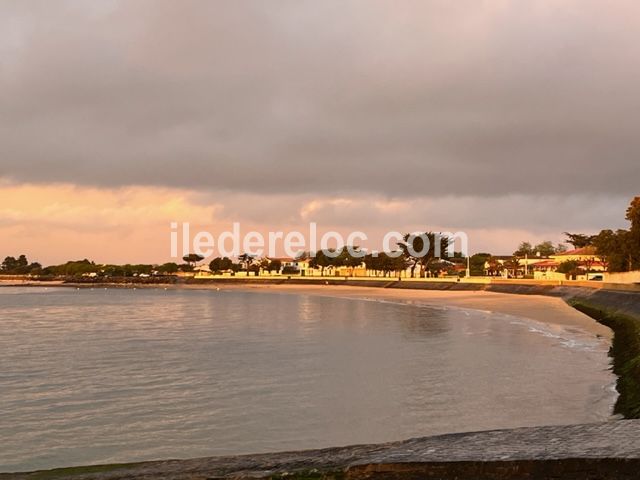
pixel 421 253
pixel 619 250
pixel 77 268
pixel 543 249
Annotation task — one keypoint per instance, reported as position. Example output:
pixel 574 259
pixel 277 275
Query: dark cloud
pixel 398 98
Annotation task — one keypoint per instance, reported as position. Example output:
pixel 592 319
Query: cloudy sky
pixel 510 120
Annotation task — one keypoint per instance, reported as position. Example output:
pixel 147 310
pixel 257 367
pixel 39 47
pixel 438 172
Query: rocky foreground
pixel 597 451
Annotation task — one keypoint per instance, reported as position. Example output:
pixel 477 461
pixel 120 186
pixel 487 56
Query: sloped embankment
pixel 619 311
pixel 605 451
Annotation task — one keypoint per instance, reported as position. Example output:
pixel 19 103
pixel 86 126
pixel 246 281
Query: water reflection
pixel 425 322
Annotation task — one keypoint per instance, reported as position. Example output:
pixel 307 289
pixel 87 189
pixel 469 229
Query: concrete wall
pixel 623 277
pixel 598 451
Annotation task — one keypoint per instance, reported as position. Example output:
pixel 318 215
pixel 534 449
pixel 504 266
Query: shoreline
pixel 552 311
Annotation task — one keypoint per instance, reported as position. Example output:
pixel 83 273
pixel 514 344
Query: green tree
pixel 385 263
pixel 247 261
pixel 416 253
pixel 633 239
pixel 545 249
pixel 214 265
pixel 321 260
pixel 620 250
pixel 373 262
pixel 525 248
pixel 438 266
pixel 290 270
pixel 570 268
pixel 22 261
pixel 140 269
pixel 268 265
pixel 193 259
pixel 275 265
pixel 9 264
pixel 633 213
pixel 494 267
pixel 579 240
pixel 168 268
pixel 477 264
pixel 346 259
pixel 605 244
pixel 628 247
pixel 19 266
pixel 221 264
pixel 513 265
pixel 73 268
pixel 226 264
pixel 394 263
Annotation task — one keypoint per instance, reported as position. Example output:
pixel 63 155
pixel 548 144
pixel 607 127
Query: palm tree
pixel 513 264
pixel 494 266
pixel 321 261
pixel 247 260
pixel 438 245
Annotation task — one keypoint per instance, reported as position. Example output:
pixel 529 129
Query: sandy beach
pixel 549 310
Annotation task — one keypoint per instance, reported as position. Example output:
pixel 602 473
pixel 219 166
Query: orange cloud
pixel 57 222
pixel 61 222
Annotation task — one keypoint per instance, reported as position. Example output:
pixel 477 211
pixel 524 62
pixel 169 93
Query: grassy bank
pixel 625 352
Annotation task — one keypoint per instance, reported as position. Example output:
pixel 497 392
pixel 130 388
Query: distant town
pixel 606 256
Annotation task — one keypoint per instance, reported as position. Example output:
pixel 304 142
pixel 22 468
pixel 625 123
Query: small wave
pixel 568 338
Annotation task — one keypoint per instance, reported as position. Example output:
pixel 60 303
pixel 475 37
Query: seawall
pixel 596 451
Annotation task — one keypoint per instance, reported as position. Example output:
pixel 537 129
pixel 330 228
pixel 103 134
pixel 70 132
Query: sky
pixel 508 120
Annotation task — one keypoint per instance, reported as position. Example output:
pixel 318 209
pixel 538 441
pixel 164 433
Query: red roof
pixel 545 264
pixel 579 251
pixel 594 264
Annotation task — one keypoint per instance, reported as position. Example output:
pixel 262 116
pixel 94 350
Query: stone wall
pixel 597 451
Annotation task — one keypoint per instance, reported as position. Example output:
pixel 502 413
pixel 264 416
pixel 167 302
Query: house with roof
pixel 202 271
pixel 587 259
pixel 586 255
pixel 289 264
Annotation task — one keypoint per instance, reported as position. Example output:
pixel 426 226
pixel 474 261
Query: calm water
pixel 125 375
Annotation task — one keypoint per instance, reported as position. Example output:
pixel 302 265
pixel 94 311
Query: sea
pixel 114 375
